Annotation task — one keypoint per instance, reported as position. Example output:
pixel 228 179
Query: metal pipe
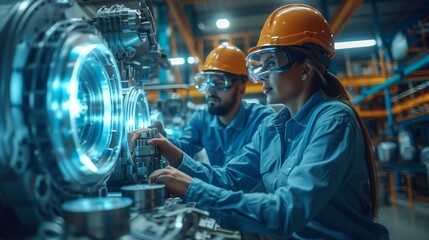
pixel 390 119
pixel 410 91
pixel 169 86
pixel 344 13
pixel 392 80
pixel 183 25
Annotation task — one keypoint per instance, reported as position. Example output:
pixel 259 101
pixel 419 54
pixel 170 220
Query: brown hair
pixel 334 89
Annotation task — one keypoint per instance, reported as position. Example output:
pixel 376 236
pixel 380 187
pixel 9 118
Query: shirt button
pixel 289 140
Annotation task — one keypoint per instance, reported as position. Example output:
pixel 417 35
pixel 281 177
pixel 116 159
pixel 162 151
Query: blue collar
pixel 304 114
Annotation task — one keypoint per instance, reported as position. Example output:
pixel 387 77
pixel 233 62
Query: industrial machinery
pixel 71 86
pixel 130 33
pixel 136 115
pixel 61 123
pixel 146 156
pixel 170 115
pixel 174 114
pixel 144 213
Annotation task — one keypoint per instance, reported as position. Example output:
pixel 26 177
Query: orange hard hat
pixel 227 58
pixel 294 25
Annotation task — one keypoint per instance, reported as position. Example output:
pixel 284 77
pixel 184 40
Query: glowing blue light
pixel 355 44
pixel 87 162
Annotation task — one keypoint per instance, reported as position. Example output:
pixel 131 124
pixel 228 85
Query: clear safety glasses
pixel 267 60
pixel 214 81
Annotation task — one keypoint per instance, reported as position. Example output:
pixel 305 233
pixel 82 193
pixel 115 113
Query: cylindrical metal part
pixel 97 218
pixel 146 156
pixel 387 152
pixel 424 155
pixel 145 196
pixel 407 149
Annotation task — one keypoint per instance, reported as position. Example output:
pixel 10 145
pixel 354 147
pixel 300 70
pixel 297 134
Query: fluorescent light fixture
pixel 192 60
pixel 177 61
pixel 355 44
pixel 222 23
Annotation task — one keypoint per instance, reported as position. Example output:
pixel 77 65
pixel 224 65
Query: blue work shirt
pixel 222 143
pixel 313 168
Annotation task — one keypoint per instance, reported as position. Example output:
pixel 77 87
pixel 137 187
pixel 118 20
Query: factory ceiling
pixel 194 20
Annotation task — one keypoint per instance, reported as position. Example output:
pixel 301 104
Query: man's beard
pixel 223 109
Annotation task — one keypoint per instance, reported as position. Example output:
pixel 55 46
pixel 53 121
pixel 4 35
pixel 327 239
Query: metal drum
pixel 407 150
pixel 61 119
pixel 408 153
pixel 145 196
pixel 424 155
pixel 387 152
pixel 97 218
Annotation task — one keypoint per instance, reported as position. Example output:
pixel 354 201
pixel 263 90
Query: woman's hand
pixel 176 182
pixel 165 148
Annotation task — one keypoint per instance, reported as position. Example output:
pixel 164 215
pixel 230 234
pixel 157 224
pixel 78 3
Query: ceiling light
pixel 201 26
pixel 222 23
pixel 355 44
pixel 177 61
pixel 192 60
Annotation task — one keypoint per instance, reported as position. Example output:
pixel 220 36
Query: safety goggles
pixel 268 60
pixel 214 81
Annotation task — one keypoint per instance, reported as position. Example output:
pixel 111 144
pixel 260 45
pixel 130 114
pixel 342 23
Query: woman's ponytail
pixel 333 88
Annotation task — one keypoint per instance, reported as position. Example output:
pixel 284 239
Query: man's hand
pixel 158 125
pixel 176 182
pixel 133 135
pixel 166 148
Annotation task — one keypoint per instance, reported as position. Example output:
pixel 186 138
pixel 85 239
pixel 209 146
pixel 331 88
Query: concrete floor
pixel 404 222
